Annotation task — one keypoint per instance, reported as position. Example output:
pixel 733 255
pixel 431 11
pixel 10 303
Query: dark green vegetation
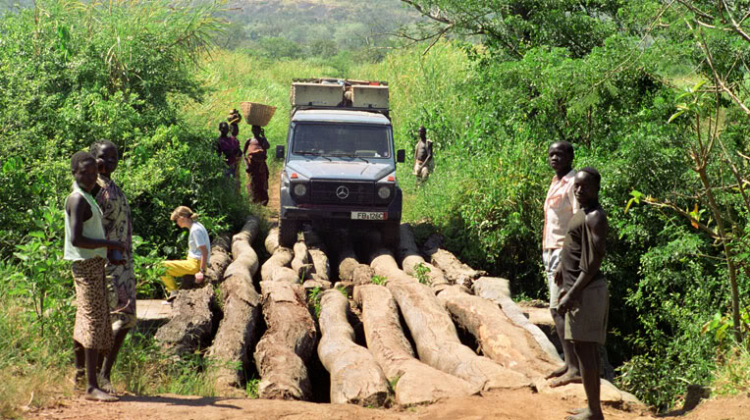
pixel 630 84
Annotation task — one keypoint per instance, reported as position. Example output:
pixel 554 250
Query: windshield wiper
pixel 309 153
pixel 350 155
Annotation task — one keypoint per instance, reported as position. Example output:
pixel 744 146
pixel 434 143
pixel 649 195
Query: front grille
pixel 334 192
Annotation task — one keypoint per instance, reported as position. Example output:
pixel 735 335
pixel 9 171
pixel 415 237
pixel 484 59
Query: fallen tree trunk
pixel 498 338
pixel 497 291
pixel 411 259
pixel 272 240
pixel 277 268
pixel 220 258
pixel 350 269
pixel 455 271
pixel 191 324
pixel 436 336
pixel 301 262
pixel 321 266
pixel 287 345
pixel 355 376
pixel 239 328
pixel 415 382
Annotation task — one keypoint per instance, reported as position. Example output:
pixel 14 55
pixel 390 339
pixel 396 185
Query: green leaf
pixel 675 115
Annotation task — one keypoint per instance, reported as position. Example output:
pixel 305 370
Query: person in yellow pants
pixel 198 255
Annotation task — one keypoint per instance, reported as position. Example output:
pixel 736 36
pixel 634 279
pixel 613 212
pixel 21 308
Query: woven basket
pixel 257 114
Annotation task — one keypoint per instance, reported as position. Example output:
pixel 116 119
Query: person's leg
pixel 588 359
pixel 80 364
pixel 111 358
pixel 93 392
pixel 178 268
pixel 570 372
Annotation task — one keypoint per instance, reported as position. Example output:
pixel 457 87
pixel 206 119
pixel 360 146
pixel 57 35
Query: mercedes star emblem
pixel 342 192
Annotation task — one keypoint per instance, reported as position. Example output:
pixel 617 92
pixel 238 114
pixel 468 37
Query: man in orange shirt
pixel 559 207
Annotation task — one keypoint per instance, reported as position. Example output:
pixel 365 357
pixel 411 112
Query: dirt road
pixel 496 405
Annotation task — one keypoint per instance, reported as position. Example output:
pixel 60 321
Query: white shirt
pixel 198 237
pixel 559 208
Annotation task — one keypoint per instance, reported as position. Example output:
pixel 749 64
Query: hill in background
pixel 317 28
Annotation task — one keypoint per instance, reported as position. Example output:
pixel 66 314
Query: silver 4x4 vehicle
pixel 340 165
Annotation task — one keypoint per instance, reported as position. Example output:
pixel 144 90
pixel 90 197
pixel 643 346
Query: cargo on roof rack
pixel 327 93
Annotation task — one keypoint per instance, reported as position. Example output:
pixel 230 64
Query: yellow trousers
pixel 178 268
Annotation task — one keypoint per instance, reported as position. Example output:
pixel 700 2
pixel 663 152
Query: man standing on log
pixel 559 208
pixel 584 298
pixel 257 169
pixel 423 162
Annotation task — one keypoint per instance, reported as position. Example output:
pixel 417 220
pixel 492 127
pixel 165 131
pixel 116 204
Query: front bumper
pixel 313 212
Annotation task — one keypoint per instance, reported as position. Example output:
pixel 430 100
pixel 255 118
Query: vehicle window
pixel 342 139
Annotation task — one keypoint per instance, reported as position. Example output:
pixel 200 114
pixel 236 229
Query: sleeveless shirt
pixel 578 251
pixel 92 228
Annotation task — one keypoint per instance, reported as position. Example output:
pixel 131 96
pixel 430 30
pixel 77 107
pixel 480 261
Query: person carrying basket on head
pixel 255 152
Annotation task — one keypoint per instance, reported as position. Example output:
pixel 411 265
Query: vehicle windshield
pixel 348 140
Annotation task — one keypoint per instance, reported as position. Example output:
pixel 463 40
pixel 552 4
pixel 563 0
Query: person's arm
pixel 264 141
pixel 596 221
pixel 80 211
pixel 204 265
pixel 247 144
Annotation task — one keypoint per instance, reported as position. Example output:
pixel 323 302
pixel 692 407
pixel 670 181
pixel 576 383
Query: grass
pixel 732 375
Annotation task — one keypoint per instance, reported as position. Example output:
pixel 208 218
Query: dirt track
pixel 496 405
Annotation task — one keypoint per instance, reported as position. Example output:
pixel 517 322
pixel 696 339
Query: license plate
pixel 369 215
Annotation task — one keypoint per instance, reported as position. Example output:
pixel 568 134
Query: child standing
pixel 121 276
pixel 86 246
pixel 198 254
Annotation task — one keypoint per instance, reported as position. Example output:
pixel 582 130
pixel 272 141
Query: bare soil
pixel 496 405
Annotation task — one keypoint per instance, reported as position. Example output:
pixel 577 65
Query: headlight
pixel 300 190
pixel 384 192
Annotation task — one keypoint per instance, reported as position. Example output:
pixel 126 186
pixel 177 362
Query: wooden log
pixel 321 266
pixel 288 343
pixel 277 268
pixel 238 330
pixel 497 292
pixel 455 271
pixel 220 258
pixel 272 240
pixel 498 338
pixel 350 269
pixel 436 336
pixel 191 323
pixel 411 258
pixel 355 376
pixel 301 263
pixel 415 382
pixel 243 241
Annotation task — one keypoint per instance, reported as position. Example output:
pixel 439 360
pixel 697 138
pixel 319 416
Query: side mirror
pixel 279 152
pixel 401 156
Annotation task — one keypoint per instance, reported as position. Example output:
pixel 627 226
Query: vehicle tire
pixel 391 235
pixel 288 232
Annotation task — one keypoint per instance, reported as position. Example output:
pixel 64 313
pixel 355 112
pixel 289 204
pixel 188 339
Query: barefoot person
pixel 584 298
pixel 198 254
pixel 559 208
pixel 119 270
pixel 423 161
pixel 228 146
pixel 257 169
pixel 86 245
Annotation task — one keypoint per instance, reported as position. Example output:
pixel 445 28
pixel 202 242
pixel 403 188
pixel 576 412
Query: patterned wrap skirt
pixel 92 328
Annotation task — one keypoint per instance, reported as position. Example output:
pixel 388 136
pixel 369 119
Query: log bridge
pixel 385 327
